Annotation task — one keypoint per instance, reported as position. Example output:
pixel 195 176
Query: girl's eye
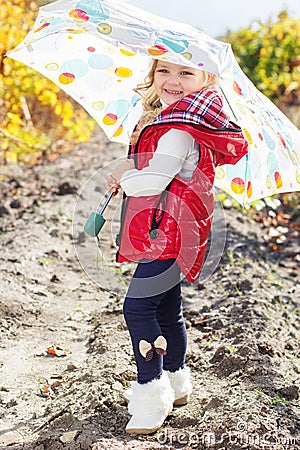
pixel 186 73
pixel 162 71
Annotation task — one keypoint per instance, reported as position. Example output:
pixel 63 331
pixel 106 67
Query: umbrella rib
pixel 224 95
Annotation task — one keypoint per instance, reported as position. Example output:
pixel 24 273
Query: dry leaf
pixel 56 384
pixel 55 350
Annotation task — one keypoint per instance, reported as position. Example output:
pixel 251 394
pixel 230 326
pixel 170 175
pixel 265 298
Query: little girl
pixel 165 222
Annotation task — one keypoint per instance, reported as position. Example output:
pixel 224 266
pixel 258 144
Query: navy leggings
pixel 153 307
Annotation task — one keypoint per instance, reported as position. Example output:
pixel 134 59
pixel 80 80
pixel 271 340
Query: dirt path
pixel 243 325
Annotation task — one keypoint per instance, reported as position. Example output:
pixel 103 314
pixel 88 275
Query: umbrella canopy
pixel 98 51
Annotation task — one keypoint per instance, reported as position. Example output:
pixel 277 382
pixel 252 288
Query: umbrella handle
pixel 96 220
pixel 106 202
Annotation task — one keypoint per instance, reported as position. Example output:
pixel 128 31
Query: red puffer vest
pixel 176 224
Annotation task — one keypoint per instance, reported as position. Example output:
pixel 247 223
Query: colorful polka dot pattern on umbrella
pixel 99 51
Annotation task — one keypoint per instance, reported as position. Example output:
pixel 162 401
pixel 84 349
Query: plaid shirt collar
pixel 204 107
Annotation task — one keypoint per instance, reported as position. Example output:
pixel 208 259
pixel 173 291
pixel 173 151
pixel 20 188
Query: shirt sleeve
pixel 167 161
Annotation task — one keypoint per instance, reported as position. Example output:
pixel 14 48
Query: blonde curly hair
pixel 151 102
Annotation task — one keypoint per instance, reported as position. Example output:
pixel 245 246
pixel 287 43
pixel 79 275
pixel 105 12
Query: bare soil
pixel 65 355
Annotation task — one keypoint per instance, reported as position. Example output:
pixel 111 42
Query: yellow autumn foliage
pixel 270 56
pixel 34 112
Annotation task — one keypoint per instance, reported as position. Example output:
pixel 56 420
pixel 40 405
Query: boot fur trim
pixel 150 404
pixel 181 383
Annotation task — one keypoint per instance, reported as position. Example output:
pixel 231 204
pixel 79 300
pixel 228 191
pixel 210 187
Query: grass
pixel 119 272
pixel 230 255
pixel 208 343
pixel 274 400
pixel 74 420
pixel 289 316
pixel 233 350
pixel 234 285
pixel 45 261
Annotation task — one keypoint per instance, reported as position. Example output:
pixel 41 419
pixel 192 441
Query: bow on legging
pixel 147 349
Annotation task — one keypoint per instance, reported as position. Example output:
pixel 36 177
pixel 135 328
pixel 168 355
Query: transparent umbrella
pixel 98 51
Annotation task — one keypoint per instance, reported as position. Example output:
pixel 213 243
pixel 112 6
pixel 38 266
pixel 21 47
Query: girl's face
pixel 172 82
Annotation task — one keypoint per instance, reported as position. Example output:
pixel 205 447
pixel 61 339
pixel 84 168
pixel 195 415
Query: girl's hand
pixel 113 178
pixel 123 166
pixel 112 184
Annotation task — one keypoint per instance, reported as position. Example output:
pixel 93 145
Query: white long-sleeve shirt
pixel 176 153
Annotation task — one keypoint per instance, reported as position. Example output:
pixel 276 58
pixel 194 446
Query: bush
pixel 35 114
pixel 269 54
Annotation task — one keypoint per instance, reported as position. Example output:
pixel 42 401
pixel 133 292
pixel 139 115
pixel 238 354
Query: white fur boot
pixel 181 384
pixel 127 394
pixel 149 405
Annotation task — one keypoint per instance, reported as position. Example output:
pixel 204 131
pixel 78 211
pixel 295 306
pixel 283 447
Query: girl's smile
pixel 173 92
